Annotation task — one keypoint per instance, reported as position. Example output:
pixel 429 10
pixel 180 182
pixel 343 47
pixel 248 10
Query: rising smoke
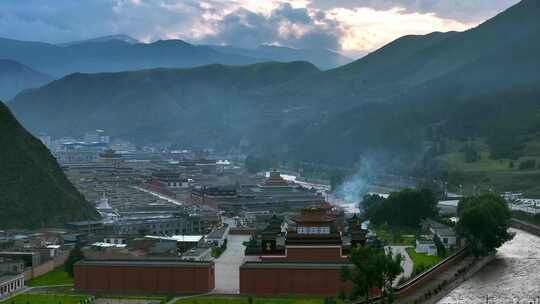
pixel 350 193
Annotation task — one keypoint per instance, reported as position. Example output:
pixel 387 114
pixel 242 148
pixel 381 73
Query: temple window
pixel 313 230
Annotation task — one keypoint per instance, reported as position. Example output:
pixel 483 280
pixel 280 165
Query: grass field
pixel 246 300
pixel 456 161
pixel 161 299
pixel 422 260
pixel 488 174
pixel 56 277
pixel 46 299
pixel 396 236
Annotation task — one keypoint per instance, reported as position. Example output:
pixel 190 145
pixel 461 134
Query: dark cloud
pixel 460 10
pixel 66 20
pixel 204 22
pixel 285 25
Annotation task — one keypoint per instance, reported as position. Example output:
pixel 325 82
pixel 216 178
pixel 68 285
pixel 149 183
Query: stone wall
pixel 528 227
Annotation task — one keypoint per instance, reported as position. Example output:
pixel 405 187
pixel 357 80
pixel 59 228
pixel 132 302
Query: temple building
pixel 273 192
pixel 171 179
pixel 307 259
pixel 111 158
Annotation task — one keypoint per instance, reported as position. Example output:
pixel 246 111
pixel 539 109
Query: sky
pixel 352 27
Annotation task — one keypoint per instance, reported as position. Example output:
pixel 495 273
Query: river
pixel 513 277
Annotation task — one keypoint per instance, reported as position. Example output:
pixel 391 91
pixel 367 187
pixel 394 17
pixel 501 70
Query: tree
pixel 372 269
pixel 257 164
pixel 336 180
pixel 405 208
pixel 74 256
pixel 484 220
pixel 529 164
pixel 369 201
pixel 441 250
pixel 471 154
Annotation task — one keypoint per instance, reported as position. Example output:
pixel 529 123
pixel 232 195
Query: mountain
pixel 323 59
pixel 15 77
pixel 112 55
pixel 201 106
pixel 477 83
pixel 34 190
pixel 120 37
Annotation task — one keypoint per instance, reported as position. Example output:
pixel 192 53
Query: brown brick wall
pixel 314 254
pixel 144 279
pixel 283 281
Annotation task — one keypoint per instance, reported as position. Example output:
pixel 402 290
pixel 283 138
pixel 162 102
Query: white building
pixel 218 236
pixel 10 285
pixel 446 235
pixel 426 246
pixel 198 254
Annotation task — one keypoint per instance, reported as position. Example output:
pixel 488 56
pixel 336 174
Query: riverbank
pixel 525 226
pixel 435 281
pixel 512 277
pixel 477 266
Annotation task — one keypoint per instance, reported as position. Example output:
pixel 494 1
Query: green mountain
pixel 111 55
pixel 477 84
pixel 207 105
pixel 34 191
pixel 15 77
pixel 323 59
pixel 123 53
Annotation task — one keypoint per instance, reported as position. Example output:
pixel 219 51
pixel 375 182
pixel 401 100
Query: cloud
pixel 351 26
pixel 467 11
pixel 283 25
pixel 66 20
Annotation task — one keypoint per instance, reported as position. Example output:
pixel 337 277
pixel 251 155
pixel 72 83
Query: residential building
pixel 426 246
pixel 10 284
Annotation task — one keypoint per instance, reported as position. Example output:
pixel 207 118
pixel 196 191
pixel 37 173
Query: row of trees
pixel 405 208
pixel 484 221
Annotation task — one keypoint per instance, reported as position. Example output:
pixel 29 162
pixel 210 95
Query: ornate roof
pixel 313 216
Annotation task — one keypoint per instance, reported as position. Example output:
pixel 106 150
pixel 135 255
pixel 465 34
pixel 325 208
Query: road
pixel 407 263
pixel 227 265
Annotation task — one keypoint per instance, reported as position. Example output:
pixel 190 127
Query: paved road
pixel 407 263
pixel 227 265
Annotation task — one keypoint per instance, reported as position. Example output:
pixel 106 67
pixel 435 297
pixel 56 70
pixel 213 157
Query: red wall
pixel 144 279
pixel 275 281
pixel 314 254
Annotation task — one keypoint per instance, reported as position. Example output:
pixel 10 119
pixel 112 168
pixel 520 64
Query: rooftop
pixel 178 238
pixel 149 262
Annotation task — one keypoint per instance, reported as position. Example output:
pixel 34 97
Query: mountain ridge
pixel 34 192
pixel 16 77
pixel 385 99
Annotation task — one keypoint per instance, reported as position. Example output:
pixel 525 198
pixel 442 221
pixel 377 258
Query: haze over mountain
pixel 34 192
pixel 122 53
pixel 120 37
pixel 384 101
pixel 110 55
pixel 158 104
pixel 323 59
pixel 15 77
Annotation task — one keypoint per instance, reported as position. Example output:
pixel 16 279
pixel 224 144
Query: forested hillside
pixel 34 192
